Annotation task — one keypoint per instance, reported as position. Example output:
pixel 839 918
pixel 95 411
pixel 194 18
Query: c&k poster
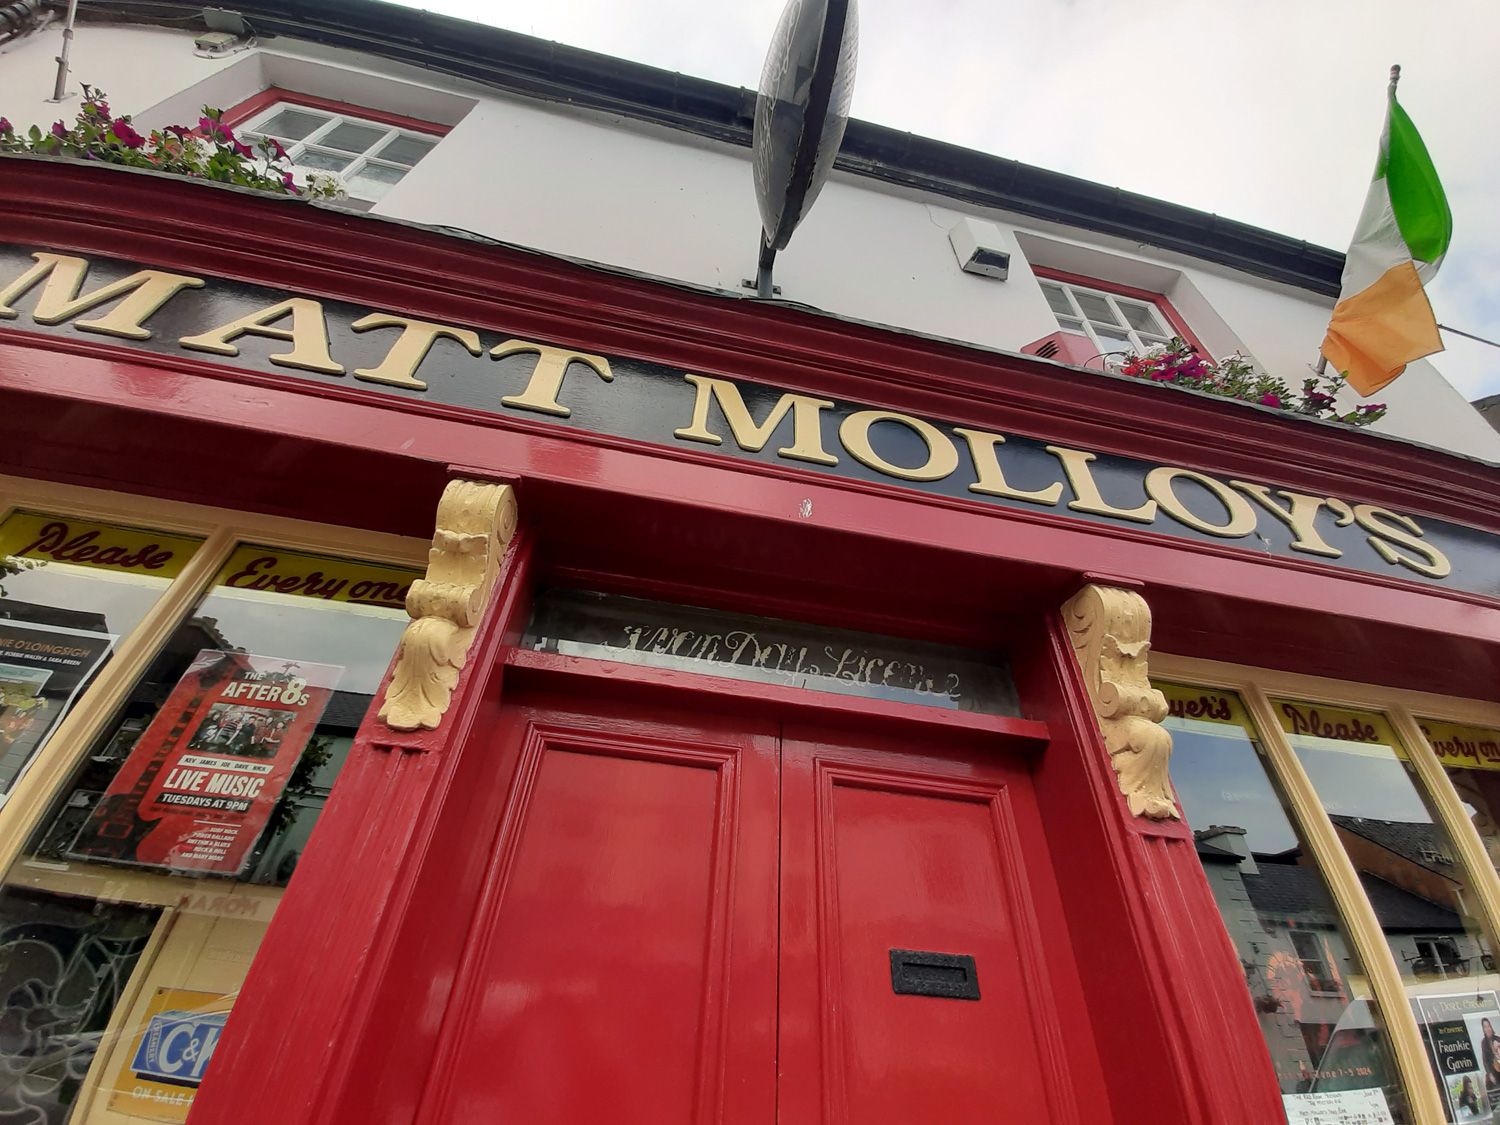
pixel 198 788
pixel 169 1054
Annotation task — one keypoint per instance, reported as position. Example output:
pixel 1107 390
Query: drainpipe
pixel 60 90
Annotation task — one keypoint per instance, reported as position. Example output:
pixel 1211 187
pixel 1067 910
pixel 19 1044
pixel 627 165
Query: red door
pixel 622 961
pixel 898 860
pixel 689 920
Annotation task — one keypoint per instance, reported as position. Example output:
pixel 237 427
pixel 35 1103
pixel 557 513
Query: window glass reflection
pixel 1471 758
pixel 70 590
pixel 1308 987
pixel 1419 888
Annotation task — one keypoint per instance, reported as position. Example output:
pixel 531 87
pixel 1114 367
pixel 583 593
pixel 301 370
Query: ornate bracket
pixel 1111 633
pixel 475 522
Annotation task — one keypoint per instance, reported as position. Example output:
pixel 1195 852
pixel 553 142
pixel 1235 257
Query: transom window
pixel 368 158
pixel 1115 324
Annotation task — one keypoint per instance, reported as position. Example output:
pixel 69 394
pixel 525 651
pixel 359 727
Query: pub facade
pixel 449 680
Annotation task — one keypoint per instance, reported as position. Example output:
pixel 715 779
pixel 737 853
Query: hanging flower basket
pixel 1234 376
pixel 208 150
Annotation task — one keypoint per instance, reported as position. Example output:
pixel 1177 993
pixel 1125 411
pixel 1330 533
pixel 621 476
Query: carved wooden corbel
pixel 1111 633
pixel 475 522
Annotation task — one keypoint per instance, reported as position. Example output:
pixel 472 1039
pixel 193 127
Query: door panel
pixel 896 850
pixel 623 965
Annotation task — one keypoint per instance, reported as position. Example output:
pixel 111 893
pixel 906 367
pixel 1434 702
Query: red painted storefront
pixel 744 989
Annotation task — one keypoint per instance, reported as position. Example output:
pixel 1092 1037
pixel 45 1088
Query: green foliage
pixel 1236 377
pixel 208 151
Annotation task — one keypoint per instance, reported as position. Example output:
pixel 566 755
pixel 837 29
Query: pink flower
pixel 59 130
pixel 289 183
pixel 126 135
pixel 243 150
pixel 1271 400
pixel 215 129
pixel 6 126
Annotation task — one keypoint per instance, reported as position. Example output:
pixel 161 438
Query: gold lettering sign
pixel 1317 720
pixel 1462 747
pixel 276 571
pixel 62 539
pixel 1204 705
pixel 959 462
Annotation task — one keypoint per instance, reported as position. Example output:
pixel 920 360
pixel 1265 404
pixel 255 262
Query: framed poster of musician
pixel 199 786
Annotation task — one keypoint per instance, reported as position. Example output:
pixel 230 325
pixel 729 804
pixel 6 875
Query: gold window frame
pixel 222 530
pixel 1256 686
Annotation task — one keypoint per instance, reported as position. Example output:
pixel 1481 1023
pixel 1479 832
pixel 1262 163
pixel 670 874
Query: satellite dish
pixel 800 114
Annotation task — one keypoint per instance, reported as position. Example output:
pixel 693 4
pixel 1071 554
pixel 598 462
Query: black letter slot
pixel 934 974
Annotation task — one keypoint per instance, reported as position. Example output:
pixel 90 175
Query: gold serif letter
pixel 475 523
pixel 546 379
pixel 807 429
pixel 1087 498
pixel 399 368
pixel 1110 630
pixel 308 334
pixel 144 293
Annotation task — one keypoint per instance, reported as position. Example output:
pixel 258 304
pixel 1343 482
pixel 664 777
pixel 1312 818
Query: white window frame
pixel 1138 341
pixel 358 163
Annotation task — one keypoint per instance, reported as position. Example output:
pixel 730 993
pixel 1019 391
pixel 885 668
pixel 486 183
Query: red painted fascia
pixel 397 267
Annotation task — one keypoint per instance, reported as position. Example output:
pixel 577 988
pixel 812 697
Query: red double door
pixel 691 919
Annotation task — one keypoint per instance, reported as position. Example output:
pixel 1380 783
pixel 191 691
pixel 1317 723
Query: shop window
pixel 129 920
pixel 1315 1006
pixel 1399 797
pixel 1365 779
pixel 70 591
pixel 365 152
pixel 1114 319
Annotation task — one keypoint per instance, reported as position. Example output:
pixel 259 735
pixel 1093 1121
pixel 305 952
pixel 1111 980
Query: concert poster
pixel 199 785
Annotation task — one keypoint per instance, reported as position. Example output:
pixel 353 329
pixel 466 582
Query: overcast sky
pixel 1265 111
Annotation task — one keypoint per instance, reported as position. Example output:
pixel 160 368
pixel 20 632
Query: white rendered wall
pixel 136 66
pixel 666 204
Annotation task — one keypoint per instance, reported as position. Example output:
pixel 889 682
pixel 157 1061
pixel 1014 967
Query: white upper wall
pixel 667 204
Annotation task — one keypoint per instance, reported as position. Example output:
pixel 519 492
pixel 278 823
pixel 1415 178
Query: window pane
pixel 1069 324
pixel 766 650
pixel 1311 997
pixel 1417 884
pixel 293 124
pixel 69 591
pixel 374 180
pixel 1057 299
pixel 406 150
pixel 1141 317
pixel 348 137
pixel 1095 307
pixel 1471 757
pixel 323 161
pixel 1113 340
pixel 150 883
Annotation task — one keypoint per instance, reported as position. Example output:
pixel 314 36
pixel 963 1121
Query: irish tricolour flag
pixel 1383 321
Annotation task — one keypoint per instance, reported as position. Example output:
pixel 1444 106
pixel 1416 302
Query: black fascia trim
pixel 538 68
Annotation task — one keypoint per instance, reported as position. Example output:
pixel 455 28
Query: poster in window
pixel 169 1054
pixel 1463 1044
pixel 42 669
pixel 199 785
